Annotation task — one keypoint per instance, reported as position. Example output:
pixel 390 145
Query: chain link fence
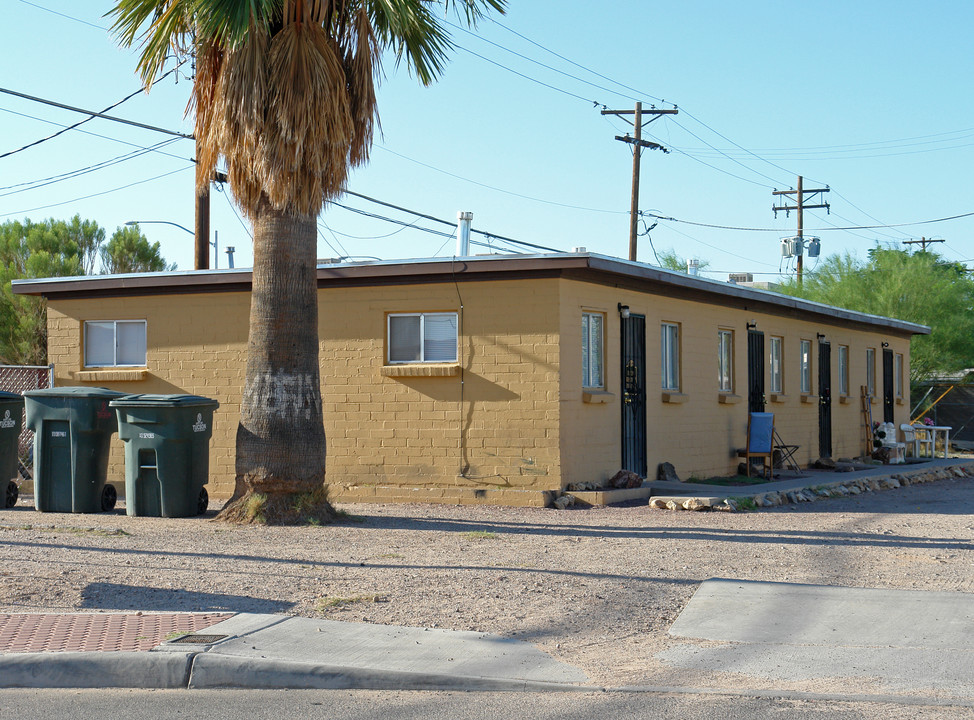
pixel 19 379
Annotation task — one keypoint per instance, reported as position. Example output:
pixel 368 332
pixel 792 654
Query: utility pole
pixel 202 246
pixel 801 196
pixel 922 242
pixel 638 144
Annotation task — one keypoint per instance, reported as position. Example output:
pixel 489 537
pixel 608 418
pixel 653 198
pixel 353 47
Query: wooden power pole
pixel 801 196
pixel 638 144
pixel 922 242
pixel 202 244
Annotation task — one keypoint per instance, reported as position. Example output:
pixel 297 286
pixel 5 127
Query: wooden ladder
pixel 867 419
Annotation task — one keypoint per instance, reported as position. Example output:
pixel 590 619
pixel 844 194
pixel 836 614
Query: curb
pixel 221 671
pixel 158 671
pixel 200 670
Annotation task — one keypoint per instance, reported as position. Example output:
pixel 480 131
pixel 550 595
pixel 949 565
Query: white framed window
pixel 871 371
pixel 423 337
pixel 593 350
pixel 805 357
pixel 115 343
pixel 843 369
pixel 669 340
pixel 725 360
pixel 777 381
pixel 898 370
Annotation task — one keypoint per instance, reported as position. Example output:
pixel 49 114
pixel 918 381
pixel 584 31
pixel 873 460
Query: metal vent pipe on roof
pixel 463 233
pixel 693 266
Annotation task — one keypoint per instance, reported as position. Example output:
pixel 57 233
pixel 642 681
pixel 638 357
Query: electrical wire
pixel 98 194
pixel 69 17
pixel 528 77
pixel 501 190
pixel 447 222
pixel 233 207
pixel 778 230
pixel 94 134
pixel 90 113
pixel 70 175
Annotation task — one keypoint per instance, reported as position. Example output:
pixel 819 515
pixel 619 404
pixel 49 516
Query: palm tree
pixel 284 92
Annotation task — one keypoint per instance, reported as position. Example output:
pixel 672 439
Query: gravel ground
pixel 594 587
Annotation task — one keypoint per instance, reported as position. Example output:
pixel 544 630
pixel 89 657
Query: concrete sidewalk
pixel 272 651
pixel 859 640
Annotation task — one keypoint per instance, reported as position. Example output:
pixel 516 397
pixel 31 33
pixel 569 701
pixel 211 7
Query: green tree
pixel 284 92
pixel 88 236
pixel 57 248
pixel 671 260
pixel 130 252
pixel 918 287
pixel 31 250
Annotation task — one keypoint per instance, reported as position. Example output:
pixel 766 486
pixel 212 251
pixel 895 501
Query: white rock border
pixel 858 486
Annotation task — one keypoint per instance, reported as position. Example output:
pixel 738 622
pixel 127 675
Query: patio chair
pixel 922 439
pixel 760 442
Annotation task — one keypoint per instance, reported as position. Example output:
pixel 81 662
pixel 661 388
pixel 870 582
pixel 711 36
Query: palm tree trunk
pixel 280 455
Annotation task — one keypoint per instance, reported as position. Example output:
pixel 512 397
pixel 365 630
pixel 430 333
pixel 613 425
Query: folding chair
pixel 785 453
pixel 760 441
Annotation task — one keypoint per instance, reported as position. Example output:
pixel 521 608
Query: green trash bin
pixel 167 453
pixel 73 428
pixel 11 415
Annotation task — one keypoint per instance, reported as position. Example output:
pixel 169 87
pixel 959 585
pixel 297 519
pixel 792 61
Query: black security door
pixel 634 394
pixel 824 399
pixel 887 386
pixel 755 371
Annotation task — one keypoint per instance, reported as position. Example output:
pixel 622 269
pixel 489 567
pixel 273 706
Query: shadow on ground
pixel 112 596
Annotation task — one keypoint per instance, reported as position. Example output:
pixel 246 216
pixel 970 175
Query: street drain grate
pixel 199 639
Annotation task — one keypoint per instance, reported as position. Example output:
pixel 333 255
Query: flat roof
pixel 587 267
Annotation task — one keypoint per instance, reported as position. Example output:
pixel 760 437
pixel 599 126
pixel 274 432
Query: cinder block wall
pixel 698 433
pixel 489 423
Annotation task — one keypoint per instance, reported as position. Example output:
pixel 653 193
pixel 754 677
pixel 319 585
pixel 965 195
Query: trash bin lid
pixel 155 400
pixel 10 396
pixel 78 392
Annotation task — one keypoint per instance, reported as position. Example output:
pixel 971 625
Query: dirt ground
pixel 594 587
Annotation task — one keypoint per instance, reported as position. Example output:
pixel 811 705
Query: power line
pixel 92 114
pixel 497 189
pixel 826 229
pixel 528 77
pixel 70 175
pixel 98 194
pixel 447 222
pixel 69 17
pixel 94 134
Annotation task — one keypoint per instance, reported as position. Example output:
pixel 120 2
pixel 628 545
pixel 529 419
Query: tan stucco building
pixel 501 379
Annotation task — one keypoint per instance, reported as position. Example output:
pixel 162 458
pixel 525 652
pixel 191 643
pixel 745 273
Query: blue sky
pixel 872 99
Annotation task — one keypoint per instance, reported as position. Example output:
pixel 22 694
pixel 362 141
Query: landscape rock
pixel 824 463
pixel 625 479
pixel 658 503
pixel 665 472
pixel 695 504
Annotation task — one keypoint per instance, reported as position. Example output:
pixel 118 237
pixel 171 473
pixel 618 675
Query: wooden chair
pixel 760 442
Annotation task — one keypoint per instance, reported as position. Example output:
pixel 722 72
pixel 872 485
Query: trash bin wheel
pixel 108 497
pixel 13 492
pixel 203 503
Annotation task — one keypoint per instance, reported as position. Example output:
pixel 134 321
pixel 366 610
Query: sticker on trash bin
pixel 146 436
pixel 103 413
pixel 199 425
pixel 7 421
pixel 59 433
